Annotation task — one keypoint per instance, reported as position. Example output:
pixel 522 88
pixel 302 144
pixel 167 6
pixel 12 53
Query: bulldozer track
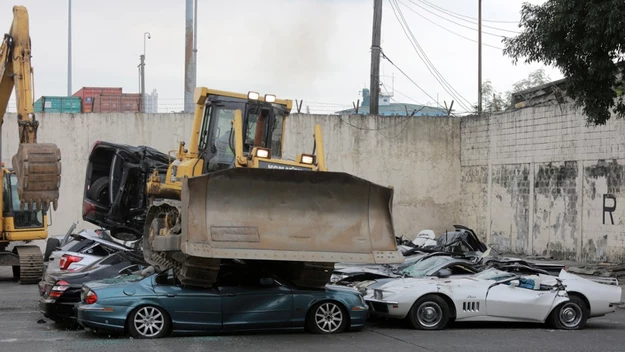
pixel 31 264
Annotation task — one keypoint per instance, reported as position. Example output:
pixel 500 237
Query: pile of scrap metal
pixel 80 257
pixel 115 184
pixel 428 255
pixel 230 193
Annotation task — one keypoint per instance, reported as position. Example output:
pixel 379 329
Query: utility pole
pixel 479 58
pixel 142 72
pixel 69 49
pixel 194 58
pixel 375 58
pixel 188 57
pixel 142 83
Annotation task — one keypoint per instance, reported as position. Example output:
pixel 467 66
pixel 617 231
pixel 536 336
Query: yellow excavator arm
pixel 36 165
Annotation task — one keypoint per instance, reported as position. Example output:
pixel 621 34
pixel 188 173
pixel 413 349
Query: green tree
pixel 494 101
pixel 585 40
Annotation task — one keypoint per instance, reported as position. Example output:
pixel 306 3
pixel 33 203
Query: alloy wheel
pixel 329 317
pixel 149 321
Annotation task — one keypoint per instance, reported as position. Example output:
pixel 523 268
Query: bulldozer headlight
pixel 270 98
pixel 262 153
pixel 252 95
pixel 308 159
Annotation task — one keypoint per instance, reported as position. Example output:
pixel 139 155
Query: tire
pixel 51 245
pixel 99 191
pixel 327 317
pixel 429 312
pixel 157 320
pixel 571 315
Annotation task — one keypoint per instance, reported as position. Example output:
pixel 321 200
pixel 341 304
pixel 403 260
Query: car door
pixel 248 303
pixel 190 308
pixel 507 301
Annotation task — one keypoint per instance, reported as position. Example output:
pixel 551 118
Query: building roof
pixel 385 108
pixel 399 109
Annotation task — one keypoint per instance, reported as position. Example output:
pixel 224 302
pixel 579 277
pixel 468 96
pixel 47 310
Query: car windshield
pixel 424 267
pixel 493 274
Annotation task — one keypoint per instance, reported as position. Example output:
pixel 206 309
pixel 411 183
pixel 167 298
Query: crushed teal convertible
pixel 242 299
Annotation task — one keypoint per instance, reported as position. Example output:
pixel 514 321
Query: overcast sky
pixel 318 51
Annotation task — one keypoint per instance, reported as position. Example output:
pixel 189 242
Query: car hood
pixel 340 288
pixel 400 284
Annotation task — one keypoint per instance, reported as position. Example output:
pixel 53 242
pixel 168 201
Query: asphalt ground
pixel 23 328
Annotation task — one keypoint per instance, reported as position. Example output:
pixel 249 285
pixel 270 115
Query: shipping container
pixel 117 103
pixel 87 94
pixel 70 105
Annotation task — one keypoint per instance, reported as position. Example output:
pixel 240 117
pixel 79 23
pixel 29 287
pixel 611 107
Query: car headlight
pixel 377 294
pixel 337 277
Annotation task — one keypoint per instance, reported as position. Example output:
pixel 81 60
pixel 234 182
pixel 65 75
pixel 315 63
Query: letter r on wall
pixel 609 209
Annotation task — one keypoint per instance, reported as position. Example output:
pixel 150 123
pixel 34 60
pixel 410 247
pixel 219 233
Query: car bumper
pixel 96 316
pixel 358 317
pixel 57 311
pixel 384 308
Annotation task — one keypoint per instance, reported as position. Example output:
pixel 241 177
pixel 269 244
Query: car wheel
pixel 327 318
pixel 148 322
pixel 51 246
pixel 571 315
pixel 99 191
pixel 430 312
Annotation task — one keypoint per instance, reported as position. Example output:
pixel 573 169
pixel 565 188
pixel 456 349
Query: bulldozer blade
pixel 287 215
pixel 38 170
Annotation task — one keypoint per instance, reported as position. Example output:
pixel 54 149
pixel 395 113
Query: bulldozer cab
pixel 262 127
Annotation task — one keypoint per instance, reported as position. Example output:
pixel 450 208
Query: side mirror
pixel 444 273
pixel 267 282
pixel 515 283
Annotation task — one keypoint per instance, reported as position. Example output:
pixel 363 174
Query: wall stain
pixel 557 183
pixel 612 172
pixel 558 251
pixel 515 179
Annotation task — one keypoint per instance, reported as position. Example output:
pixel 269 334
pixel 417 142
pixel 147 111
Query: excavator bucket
pixel 38 170
pixel 251 213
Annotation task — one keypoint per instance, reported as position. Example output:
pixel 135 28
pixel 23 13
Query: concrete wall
pixel 419 156
pixel 538 181
pixel 76 133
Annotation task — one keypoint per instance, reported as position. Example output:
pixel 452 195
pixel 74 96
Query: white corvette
pixel 430 303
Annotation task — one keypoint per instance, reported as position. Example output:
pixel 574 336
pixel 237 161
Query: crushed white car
pixel 566 301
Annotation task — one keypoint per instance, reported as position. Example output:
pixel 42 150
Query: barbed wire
pixel 176 105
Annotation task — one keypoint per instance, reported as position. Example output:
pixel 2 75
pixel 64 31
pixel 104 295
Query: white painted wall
pixel 418 156
pixel 534 180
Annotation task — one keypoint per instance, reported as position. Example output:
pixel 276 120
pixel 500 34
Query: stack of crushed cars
pixel 456 277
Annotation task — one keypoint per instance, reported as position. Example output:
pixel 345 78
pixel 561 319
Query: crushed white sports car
pixel 430 303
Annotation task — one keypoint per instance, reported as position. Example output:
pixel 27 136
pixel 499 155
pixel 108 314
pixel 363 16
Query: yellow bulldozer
pixel 34 181
pixel 231 194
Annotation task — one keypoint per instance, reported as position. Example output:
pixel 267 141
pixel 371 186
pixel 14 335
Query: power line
pixel 450 31
pixel 410 79
pixel 454 22
pixel 461 15
pixel 423 56
pixel 427 61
